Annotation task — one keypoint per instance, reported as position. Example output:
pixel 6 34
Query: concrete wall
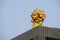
pixel 39 33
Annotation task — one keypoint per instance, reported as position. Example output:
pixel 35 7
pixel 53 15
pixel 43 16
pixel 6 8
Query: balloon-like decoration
pixel 38 17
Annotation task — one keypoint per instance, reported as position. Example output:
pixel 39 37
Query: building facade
pixel 40 33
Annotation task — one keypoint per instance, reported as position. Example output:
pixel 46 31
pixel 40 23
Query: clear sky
pixel 15 16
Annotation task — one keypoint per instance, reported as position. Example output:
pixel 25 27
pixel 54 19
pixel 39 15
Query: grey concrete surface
pixel 39 33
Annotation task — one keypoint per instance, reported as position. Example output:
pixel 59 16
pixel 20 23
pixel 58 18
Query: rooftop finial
pixel 38 17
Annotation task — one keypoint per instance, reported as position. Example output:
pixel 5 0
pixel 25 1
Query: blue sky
pixel 15 16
